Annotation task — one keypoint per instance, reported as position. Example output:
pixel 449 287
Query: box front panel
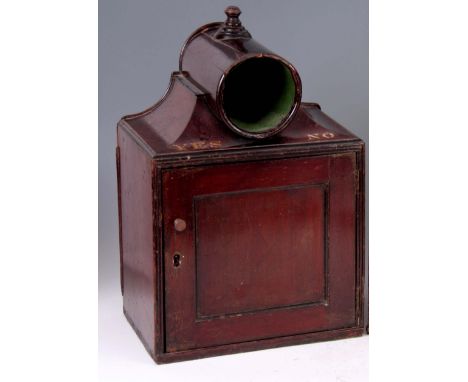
pixel 268 250
pixel 260 249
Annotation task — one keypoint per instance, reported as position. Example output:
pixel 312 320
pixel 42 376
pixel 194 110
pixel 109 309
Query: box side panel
pixel 138 267
pixel 362 250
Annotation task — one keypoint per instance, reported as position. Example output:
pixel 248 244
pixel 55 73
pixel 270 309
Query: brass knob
pixel 180 225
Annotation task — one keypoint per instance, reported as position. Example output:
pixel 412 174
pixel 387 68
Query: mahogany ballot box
pixel 241 208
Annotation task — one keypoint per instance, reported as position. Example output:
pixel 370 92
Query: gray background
pixel 139 44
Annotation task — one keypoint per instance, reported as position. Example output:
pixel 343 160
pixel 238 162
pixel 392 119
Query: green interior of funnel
pixel 258 94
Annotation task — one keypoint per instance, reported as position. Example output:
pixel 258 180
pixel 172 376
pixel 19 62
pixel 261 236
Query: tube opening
pixel 259 94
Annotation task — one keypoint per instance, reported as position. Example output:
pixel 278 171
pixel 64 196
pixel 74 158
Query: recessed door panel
pixel 240 265
pixel 267 249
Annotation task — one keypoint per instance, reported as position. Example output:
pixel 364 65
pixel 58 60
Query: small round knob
pixel 232 27
pixel 232 11
pixel 180 225
pixel 232 14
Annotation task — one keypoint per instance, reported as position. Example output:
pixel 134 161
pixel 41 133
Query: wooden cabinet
pixel 241 208
pixel 240 245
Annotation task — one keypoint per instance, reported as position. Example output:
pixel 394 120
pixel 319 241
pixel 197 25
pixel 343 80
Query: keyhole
pixel 176 260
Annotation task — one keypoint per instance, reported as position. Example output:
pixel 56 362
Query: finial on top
pixel 232 27
pixel 232 11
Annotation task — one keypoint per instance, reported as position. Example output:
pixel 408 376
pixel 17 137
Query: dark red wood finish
pixel 269 240
pixel 138 272
pixel 214 50
pixel 260 249
pixel 230 193
pixel 232 244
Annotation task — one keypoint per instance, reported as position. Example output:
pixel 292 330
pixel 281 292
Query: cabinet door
pixel 268 249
